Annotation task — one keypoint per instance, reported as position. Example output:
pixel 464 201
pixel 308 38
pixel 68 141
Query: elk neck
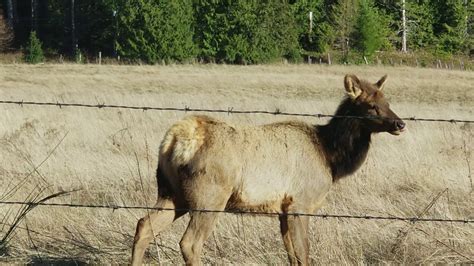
pixel 344 141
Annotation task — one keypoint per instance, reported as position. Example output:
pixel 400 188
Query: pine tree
pixel 96 25
pixel 470 29
pixel 211 31
pixel 420 25
pixel 344 17
pixel 371 29
pixel 450 25
pixel 321 35
pixel 34 51
pixel 246 32
pixel 154 31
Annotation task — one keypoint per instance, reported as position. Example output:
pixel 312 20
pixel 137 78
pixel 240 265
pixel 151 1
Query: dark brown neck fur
pixel 345 141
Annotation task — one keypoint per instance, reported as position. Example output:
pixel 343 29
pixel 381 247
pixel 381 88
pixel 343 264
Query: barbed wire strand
pixel 229 110
pixel 343 216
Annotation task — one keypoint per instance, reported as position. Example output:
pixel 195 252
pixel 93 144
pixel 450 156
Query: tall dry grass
pixel 109 156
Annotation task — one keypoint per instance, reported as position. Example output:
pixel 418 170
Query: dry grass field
pixel 109 157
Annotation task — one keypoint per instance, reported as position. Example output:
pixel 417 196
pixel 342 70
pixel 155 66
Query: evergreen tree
pixel 420 24
pixel 33 51
pixel 371 29
pixel 246 32
pixel 470 29
pixel 275 33
pixel 96 25
pixel 154 31
pixel 322 34
pixel 344 17
pixel 450 25
pixel 212 25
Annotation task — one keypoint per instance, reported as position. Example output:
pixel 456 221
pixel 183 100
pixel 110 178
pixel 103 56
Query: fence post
pixel 329 58
pixel 309 59
pixel 100 58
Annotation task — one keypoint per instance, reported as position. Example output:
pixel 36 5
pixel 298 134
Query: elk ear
pixel 352 86
pixel 381 82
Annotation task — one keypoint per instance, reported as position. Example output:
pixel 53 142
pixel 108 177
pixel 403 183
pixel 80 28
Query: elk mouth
pixel 399 126
pixel 397 132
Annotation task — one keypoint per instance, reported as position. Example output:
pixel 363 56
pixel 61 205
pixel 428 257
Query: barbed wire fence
pixel 232 211
pixel 230 110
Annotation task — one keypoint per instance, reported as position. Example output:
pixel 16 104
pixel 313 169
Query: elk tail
pixel 165 190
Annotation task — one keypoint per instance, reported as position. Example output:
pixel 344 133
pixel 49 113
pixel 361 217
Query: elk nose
pixel 400 124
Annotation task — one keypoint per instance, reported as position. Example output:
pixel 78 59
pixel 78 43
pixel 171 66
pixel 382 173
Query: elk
pixel 284 168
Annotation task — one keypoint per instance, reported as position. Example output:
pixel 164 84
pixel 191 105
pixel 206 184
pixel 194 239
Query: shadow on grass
pixel 56 261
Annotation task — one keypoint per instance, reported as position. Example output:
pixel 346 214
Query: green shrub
pixel 78 56
pixel 34 52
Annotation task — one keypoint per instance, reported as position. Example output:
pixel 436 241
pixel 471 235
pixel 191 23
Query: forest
pixel 240 32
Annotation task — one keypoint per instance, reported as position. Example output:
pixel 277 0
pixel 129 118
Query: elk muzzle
pixel 399 126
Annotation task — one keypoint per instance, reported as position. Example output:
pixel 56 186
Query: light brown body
pixel 208 164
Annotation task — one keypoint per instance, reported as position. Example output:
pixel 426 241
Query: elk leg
pixel 285 233
pixel 298 230
pixel 201 224
pixel 153 223
pixel 199 228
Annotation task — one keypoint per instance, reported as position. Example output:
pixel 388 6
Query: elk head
pixel 368 101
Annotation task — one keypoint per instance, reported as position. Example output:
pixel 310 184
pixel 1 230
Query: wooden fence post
pixel 100 58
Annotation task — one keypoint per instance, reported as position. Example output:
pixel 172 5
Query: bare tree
pixel 404 28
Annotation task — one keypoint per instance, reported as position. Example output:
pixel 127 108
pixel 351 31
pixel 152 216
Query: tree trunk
pixel 73 28
pixel 70 41
pixel 10 14
pixel 34 15
pixel 404 28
